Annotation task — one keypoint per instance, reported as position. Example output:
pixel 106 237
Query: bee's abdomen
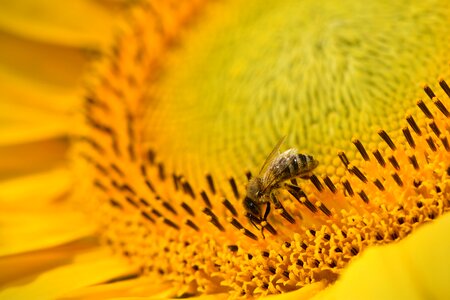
pixel 299 165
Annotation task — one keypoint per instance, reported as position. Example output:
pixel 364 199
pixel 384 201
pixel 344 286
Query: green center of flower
pixel 321 73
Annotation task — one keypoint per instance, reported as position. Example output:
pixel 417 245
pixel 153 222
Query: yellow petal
pixel 136 288
pixel 415 268
pixel 59 22
pixel 13 194
pixel 87 269
pixel 37 156
pixel 20 268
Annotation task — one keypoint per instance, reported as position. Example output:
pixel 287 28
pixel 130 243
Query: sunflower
pixel 136 189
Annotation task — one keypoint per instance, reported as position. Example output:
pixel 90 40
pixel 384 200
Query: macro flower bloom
pixel 183 110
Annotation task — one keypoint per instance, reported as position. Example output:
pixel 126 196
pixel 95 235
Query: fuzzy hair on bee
pixel 277 169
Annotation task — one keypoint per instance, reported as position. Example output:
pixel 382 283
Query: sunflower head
pixel 180 117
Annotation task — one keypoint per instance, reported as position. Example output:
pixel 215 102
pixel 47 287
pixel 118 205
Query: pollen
pixel 189 227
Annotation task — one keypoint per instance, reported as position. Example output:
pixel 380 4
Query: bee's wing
pixel 272 155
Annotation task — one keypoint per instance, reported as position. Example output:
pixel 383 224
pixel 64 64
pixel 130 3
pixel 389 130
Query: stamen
pixel 192 225
pixel 383 134
pixel 330 185
pixel 150 186
pixel 250 234
pixel 344 159
pixel 126 187
pixel 287 216
pixel 151 155
pixel 188 209
pixel 144 202
pixel 233 248
pixel 171 224
pixel 214 220
pixel 300 196
pixel 156 213
pixel 234 188
pixel 143 170
pixel 131 143
pixel 424 109
pixel 445 87
pixel 107 130
pixel 379 158
pixel 176 181
pixel 206 199
pixel 305 201
pixel 94 101
pixel 413 161
pixel 379 185
pixel 116 204
pixel 429 91
pixel 435 129
pixel 161 172
pixel 169 207
pixel 413 125
pixel 354 251
pixel 96 146
pixel 270 229
pixel 230 207
pixel 361 149
pixel 147 216
pixel 265 254
pixel 441 107
pixel 394 162
pixel 210 181
pixel 101 169
pixel 323 208
pixel 117 170
pixel 409 137
pixel 357 172
pixel 348 187
pixel 431 144
pixel 248 174
pixel 100 185
pixel 316 183
pixel 397 179
pixel 363 196
pixel 132 202
pixel 236 224
pixel 188 189
pixel 444 141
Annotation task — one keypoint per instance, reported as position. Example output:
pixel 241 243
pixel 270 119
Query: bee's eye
pixel 251 206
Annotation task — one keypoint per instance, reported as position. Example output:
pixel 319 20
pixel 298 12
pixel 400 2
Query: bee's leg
pixel 255 222
pixel 266 213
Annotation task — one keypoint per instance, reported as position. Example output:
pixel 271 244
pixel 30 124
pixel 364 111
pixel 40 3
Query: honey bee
pixel 277 169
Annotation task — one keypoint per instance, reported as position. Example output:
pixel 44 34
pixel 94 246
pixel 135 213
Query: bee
pixel 276 170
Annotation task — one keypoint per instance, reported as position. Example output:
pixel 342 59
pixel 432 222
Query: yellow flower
pixel 189 101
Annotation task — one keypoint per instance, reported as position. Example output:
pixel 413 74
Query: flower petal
pixel 135 288
pixel 27 231
pixel 25 266
pixel 415 268
pixel 87 269
pixel 59 22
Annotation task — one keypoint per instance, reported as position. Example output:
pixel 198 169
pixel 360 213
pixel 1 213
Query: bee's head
pixel 254 189
pixel 252 208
